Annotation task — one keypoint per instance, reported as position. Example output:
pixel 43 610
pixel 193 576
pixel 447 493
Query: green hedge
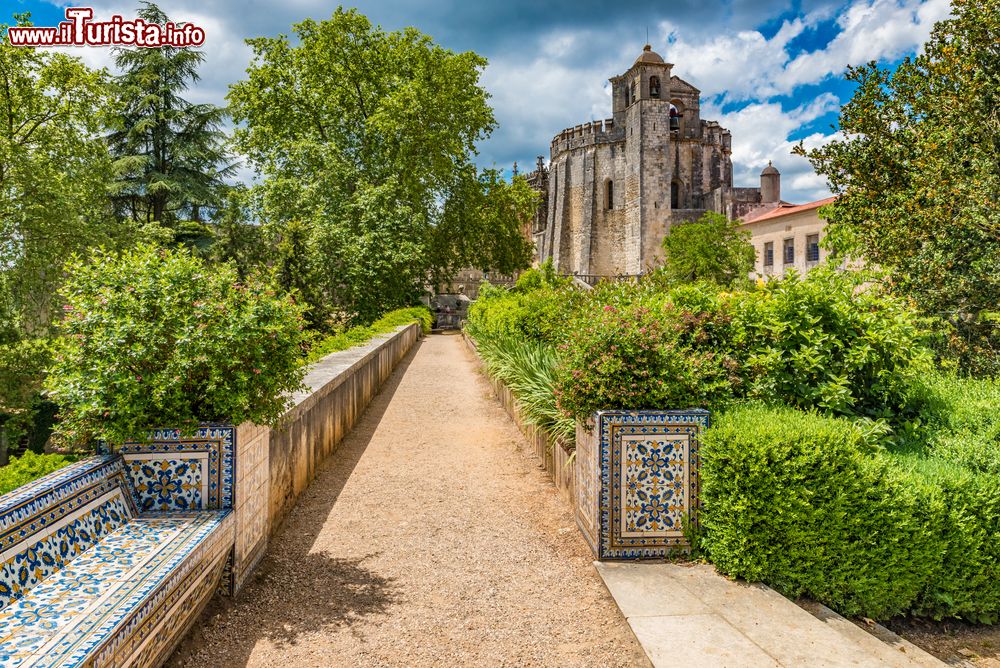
pixel 815 507
pixel 356 336
pixel 30 466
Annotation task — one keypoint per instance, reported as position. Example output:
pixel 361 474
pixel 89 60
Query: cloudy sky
pixel 769 70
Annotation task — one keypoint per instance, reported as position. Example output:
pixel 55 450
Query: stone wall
pixel 339 389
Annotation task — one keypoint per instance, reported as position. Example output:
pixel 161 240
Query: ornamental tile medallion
pixel 169 484
pixel 642 466
pixel 173 472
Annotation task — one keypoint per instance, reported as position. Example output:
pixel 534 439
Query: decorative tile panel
pixel 107 561
pixel 642 467
pixel 69 513
pixel 109 600
pixel 175 472
pixel 652 483
pixel 34 507
pixel 169 484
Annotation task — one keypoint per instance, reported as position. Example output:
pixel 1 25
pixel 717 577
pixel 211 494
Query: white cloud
pixel 226 53
pixel 536 99
pixel 746 65
pixel 552 73
pixel 741 65
pixel 875 30
pixel 761 133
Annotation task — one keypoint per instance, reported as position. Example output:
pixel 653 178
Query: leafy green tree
pixel 53 175
pixel 712 248
pixel 238 239
pixel 170 154
pixel 918 176
pixel 482 226
pixel 369 137
pixel 294 268
pixel 54 182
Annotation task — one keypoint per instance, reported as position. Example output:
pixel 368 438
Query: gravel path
pixel 431 538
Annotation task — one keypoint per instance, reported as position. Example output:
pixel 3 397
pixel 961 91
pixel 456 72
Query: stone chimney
pixel 770 185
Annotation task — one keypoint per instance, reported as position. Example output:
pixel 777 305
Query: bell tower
pixel 641 105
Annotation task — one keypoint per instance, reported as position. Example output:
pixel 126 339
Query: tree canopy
pixel 53 174
pixel 367 138
pixel 712 248
pixel 170 154
pixel 918 177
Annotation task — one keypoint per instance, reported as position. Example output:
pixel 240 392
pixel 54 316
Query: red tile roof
pixel 786 210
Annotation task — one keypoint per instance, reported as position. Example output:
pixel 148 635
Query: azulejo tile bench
pixel 108 561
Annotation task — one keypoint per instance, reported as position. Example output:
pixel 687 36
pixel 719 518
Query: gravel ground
pixel 954 642
pixel 431 538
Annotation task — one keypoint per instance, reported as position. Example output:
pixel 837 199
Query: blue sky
pixel 769 70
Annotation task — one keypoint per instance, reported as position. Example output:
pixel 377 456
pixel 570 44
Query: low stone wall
pixel 339 389
pixel 556 454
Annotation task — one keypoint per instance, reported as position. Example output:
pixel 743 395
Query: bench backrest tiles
pixel 46 524
pixel 172 472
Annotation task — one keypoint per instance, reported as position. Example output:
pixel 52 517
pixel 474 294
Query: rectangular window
pixel 789 251
pixel 769 254
pixel 812 248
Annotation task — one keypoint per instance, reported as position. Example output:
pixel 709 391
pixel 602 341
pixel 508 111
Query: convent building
pixel 613 188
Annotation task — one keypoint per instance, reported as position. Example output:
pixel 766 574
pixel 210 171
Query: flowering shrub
pixel 155 338
pixel 630 356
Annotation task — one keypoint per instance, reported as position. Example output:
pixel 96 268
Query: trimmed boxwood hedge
pixel 815 507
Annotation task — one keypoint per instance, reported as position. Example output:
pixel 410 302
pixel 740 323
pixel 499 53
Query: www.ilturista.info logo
pixel 79 30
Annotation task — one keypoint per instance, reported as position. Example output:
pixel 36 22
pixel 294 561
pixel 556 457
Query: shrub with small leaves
pixel 155 338
pixel 627 356
pixel 828 342
pixel 815 506
pixel 30 466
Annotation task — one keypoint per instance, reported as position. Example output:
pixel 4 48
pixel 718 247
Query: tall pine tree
pixel 170 154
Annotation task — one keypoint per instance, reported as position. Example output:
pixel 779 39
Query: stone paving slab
pixel 689 615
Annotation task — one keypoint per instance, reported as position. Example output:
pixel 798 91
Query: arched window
pixel 677 117
pixel 609 194
pixel 631 92
pixel 654 87
pixel 675 195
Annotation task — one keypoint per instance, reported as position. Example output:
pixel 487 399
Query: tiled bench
pixel 108 561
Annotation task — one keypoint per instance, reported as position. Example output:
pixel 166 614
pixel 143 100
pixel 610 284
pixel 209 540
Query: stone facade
pixel 614 187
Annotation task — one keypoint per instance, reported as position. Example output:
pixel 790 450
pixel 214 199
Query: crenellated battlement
pixel 592 132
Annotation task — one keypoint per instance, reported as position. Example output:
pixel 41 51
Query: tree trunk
pixel 4 458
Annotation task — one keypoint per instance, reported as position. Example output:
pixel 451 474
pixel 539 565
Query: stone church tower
pixel 615 186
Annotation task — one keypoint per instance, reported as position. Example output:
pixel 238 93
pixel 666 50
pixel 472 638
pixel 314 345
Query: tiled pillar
pixel 637 481
pixel 251 502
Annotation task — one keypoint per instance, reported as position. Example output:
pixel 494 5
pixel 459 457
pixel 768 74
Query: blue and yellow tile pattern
pixel 102 561
pixel 637 482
